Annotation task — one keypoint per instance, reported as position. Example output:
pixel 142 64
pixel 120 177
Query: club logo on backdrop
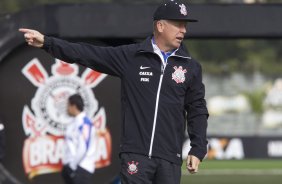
pixel 45 122
pixel 179 74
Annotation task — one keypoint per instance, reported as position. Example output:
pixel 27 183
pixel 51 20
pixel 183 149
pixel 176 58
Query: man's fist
pixel 33 37
pixel 192 164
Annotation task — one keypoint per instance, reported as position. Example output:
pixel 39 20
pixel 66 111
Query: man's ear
pixel 160 26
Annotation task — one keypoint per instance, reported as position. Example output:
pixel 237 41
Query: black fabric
pixel 68 175
pixel 79 176
pixel 173 10
pixel 148 170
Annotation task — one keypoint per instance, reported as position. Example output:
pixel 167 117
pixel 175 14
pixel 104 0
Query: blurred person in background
pixel 162 89
pixel 79 161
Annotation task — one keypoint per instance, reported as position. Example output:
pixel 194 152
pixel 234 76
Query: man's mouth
pixel 179 38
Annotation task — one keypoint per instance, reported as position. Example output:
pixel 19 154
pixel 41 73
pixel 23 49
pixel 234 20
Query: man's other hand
pixel 192 164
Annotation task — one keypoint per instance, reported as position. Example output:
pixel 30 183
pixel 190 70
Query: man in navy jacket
pixel 162 89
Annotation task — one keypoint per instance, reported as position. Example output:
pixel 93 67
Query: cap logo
pixel 183 9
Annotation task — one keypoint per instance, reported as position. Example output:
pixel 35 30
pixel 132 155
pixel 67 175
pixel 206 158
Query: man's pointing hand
pixel 33 37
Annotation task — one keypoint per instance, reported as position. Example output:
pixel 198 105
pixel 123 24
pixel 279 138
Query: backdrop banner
pixel 226 148
pixel 33 95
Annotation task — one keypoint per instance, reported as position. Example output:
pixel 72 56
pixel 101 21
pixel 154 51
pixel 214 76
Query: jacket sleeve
pixel 197 114
pixel 109 60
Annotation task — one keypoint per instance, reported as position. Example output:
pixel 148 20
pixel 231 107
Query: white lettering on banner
pixel 274 148
pixel 46 151
pixel 234 150
pixel 220 148
pixel 226 149
pixel 102 152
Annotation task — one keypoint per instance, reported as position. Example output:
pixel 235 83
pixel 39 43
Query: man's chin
pixel 177 45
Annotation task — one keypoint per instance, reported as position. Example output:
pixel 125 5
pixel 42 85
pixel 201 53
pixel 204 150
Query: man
pixel 161 88
pixel 79 161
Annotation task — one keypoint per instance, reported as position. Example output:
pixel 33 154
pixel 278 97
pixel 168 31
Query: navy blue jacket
pixel 157 98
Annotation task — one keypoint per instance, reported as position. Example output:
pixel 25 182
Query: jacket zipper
pixel 157 107
pixel 163 66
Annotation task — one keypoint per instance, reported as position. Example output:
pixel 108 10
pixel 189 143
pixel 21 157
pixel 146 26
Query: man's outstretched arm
pixel 109 60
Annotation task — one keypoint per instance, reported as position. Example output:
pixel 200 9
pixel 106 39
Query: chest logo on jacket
pixel 145 75
pixel 45 122
pixel 179 74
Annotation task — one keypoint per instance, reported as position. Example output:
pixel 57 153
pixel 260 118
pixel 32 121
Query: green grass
pixel 241 164
pixel 261 179
pixel 235 172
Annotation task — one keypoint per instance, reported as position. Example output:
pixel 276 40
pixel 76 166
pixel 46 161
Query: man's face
pixel 173 32
pixel 70 109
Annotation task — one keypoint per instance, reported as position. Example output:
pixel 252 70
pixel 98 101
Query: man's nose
pixel 183 29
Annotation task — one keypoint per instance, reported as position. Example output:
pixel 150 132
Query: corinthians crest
pixel 179 74
pixel 46 121
pixel 132 167
pixel 183 9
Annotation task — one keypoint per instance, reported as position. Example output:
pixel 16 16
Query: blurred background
pixel 10 6
pixel 241 55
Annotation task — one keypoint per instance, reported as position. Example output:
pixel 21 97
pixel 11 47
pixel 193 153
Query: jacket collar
pixel 146 46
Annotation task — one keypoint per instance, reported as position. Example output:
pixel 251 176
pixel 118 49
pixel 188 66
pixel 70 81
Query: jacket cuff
pixel 47 43
pixel 200 154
